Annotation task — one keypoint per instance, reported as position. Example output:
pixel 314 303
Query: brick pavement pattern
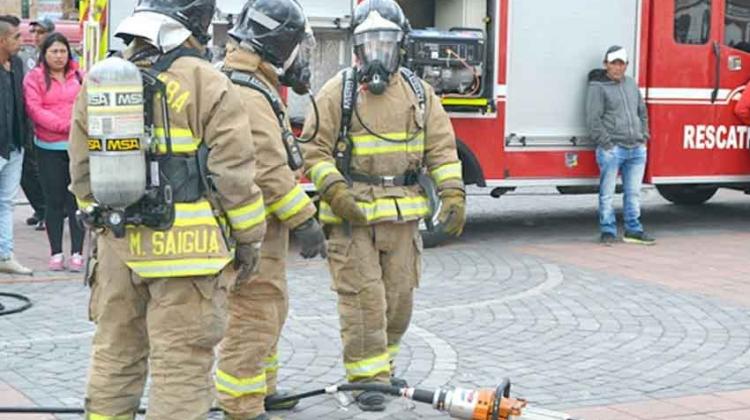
pixel 630 332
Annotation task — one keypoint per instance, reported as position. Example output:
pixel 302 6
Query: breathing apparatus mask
pixel 377 45
pixel 296 72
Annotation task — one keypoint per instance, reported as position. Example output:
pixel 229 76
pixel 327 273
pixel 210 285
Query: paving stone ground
pixel 625 332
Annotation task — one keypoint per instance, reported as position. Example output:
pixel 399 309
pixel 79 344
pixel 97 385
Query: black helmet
pixel 388 9
pixel 273 27
pixel 195 15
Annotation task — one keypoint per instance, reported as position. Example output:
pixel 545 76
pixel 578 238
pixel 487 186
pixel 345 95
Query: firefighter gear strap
pixel 407 179
pixel 345 146
pixel 368 368
pixel 238 387
pixel 293 152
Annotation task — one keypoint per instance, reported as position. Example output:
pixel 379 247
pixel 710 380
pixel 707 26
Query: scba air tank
pixel 117 146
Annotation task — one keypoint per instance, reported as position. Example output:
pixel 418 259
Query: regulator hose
pixel 26 303
pixel 386 389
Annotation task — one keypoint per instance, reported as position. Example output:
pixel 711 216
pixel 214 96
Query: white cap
pixel 617 54
pixel 159 30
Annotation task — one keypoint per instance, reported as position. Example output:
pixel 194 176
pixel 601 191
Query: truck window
pixel 692 21
pixel 737 24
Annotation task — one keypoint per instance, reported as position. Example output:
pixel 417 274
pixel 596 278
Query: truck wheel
pixel 688 195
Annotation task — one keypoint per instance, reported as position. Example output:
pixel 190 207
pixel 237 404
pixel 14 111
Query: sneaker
pixel 271 405
pixel 638 238
pixel 31 221
pixel 56 263
pixel 11 266
pixel 76 263
pixel 371 401
pixel 40 226
pixel 607 239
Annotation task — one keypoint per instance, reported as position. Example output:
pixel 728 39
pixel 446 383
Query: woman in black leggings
pixel 50 91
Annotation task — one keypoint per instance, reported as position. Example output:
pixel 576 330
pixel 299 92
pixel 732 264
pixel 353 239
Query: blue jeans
pixel 631 163
pixel 10 180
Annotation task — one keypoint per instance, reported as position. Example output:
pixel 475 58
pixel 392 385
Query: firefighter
pixel 382 135
pixel 157 299
pixel 271 38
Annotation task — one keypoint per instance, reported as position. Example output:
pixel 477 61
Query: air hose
pixel 26 304
pixel 458 403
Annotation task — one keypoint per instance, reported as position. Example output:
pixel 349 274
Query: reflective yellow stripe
pixel 83 204
pixel 183 140
pixel 237 387
pixel 368 145
pixel 271 363
pixel 320 171
pixel 382 208
pixel 368 368
pixel 247 216
pixel 291 204
pixel 393 351
pixel 446 172
pixel 466 101
pixel 183 267
pixel 194 214
pixel 95 416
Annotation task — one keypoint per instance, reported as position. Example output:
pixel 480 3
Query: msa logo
pixel 98 99
pixel 123 145
pixel 95 145
pixel 129 98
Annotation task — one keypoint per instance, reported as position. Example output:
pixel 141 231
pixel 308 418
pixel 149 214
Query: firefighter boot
pixel 371 401
pixel 270 405
pixel 399 382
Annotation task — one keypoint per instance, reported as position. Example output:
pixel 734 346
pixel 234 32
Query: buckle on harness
pixel 388 181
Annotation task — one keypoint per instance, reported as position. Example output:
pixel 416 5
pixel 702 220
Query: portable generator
pixel 452 62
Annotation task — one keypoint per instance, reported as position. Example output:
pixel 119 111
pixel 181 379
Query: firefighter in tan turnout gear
pixel 270 38
pixel 157 299
pixel 382 135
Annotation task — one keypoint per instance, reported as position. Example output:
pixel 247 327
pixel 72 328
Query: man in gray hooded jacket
pixel 617 121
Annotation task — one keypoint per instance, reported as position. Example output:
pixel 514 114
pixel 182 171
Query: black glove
pixel 311 237
pixel 246 262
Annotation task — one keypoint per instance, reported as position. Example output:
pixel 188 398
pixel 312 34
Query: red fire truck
pixel 523 123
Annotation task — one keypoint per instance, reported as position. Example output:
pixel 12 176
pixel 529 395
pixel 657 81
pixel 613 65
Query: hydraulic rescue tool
pixel 458 403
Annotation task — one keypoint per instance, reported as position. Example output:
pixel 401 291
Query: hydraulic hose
pixel 386 389
pixel 25 305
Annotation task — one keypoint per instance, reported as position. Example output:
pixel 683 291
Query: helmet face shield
pixel 381 46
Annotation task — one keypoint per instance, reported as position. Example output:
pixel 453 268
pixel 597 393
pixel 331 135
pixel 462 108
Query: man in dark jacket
pixel 14 133
pixel 617 121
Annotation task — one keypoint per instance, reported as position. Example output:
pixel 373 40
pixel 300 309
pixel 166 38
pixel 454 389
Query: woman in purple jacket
pixel 50 90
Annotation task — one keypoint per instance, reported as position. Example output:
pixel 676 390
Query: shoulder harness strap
pixel 344 146
pixel 293 152
pixel 250 81
pixel 416 86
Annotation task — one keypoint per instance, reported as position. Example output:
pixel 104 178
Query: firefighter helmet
pixel 195 15
pixel 274 28
pixel 387 9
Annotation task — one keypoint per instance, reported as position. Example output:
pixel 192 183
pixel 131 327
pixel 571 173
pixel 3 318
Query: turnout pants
pixel 248 362
pixel 375 271
pixel 167 325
